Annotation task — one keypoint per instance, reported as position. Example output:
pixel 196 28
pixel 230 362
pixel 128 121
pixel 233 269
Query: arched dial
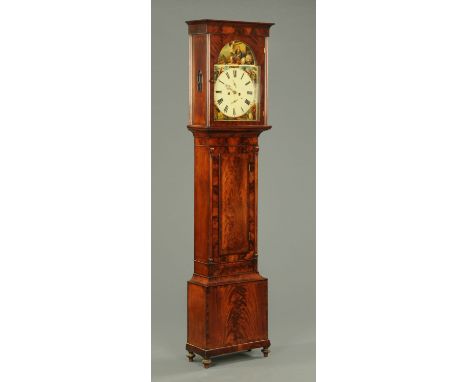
pixel 234 92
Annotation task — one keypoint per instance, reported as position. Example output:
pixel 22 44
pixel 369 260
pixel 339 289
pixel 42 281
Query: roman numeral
pixel 242 75
pixel 220 101
pixel 242 109
pixel 226 108
pixel 247 102
pixel 222 82
pixel 234 112
pixel 248 92
pixel 228 76
pixel 220 91
pixel 234 73
pixel 247 83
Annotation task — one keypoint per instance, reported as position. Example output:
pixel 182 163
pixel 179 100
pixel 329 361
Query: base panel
pixel 229 317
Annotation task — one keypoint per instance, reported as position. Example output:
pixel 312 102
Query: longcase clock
pixel 227 304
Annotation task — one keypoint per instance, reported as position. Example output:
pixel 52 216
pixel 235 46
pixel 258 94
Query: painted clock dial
pixel 234 92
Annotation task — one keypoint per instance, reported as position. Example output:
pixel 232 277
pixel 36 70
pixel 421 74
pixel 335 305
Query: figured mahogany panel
pixel 234 217
pixel 238 314
pixel 225 200
pixel 202 211
pixel 196 313
pixel 198 53
pixel 253 202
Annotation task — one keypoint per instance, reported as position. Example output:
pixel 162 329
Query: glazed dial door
pixel 234 92
pixel 236 75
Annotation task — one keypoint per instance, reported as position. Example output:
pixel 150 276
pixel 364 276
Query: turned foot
pixel 249 350
pixel 190 356
pixel 265 352
pixel 206 363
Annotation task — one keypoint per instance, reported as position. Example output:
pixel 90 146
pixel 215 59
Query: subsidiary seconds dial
pixel 234 92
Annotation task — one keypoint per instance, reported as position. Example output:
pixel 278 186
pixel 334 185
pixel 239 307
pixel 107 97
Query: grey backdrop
pixel 286 194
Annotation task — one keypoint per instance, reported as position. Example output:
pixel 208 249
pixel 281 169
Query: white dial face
pixel 234 92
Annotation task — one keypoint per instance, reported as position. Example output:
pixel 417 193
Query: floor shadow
pixel 248 364
pixel 172 367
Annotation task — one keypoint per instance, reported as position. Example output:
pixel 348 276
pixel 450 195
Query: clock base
pixel 207 354
pixel 227 315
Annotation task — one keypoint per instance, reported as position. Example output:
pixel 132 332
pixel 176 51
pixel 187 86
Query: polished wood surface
pixel 234 203
pixel 199 98
pixel 227 298
pixel 229 27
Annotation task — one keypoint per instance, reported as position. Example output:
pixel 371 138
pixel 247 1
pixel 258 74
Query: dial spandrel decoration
pixel 236 89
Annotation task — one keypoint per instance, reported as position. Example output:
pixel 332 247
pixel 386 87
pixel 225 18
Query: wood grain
pixel 196 313
pixel 234 203
pixel 202 205
pixel 199 99
pixel 240 314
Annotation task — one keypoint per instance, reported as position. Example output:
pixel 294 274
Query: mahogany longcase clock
pixel 227 297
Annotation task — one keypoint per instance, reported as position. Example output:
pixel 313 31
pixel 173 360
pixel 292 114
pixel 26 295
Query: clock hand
pixel 230 88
